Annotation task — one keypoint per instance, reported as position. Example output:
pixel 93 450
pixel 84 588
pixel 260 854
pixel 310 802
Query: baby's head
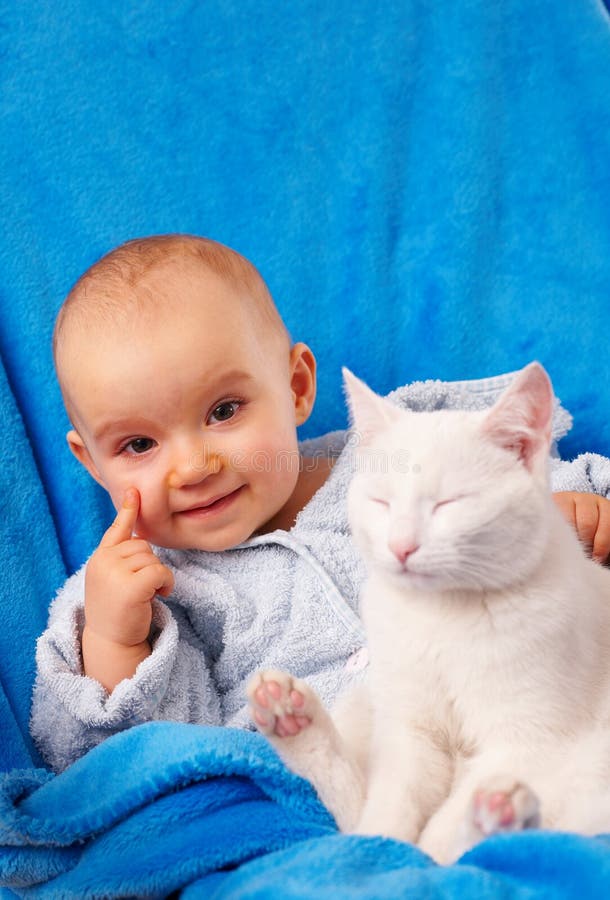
pixel 180 379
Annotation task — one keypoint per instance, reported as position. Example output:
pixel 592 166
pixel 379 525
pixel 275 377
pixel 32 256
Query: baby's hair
pixel 115 285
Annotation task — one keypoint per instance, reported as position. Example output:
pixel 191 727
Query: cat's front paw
pixel 280 705
pixel 504 804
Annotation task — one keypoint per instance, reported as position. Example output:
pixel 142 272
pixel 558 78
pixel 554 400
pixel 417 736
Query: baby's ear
pixel 302 381
pixel 520 421
pixel 369 412
pixel 79 449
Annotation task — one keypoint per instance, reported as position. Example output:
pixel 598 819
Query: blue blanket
pixel 426 189
pixel 164 806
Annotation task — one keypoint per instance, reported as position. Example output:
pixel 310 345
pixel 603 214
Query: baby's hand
pixel 122 577
pixel 589 514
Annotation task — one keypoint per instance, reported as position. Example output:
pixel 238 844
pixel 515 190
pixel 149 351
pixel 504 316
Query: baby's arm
pixel 122 578
pixel 72 711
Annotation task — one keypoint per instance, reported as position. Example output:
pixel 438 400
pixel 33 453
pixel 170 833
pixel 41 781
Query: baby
pixel 185 392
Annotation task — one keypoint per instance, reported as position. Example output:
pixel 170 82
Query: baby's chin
pixel 205 543
pixel 203 546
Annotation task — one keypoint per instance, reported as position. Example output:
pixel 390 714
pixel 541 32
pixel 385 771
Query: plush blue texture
pixel 166 806
pixel 425 187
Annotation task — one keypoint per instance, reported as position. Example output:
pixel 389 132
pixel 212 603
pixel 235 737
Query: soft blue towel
pixel 426 188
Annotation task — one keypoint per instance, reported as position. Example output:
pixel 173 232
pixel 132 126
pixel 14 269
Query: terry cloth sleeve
pixel 588 473
pixel 71 712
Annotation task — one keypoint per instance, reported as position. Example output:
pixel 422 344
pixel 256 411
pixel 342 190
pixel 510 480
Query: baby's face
pixel 198 413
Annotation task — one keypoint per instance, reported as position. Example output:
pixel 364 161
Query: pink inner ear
pixel 520 421
pixel 522 448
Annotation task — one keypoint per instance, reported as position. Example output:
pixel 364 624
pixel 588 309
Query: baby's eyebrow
pixel 115 426
pixel 220 378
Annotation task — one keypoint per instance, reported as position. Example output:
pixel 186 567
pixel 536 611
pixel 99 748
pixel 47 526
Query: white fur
pixel 489 644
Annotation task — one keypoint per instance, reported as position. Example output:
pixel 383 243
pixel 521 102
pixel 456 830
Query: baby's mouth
pixel 215 504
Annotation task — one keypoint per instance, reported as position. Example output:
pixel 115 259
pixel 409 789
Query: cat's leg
pixel 409 778
pixel 478 806
pixel 304 735
pixel 502 804
pixel 565 789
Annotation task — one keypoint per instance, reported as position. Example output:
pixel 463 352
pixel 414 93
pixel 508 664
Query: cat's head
pixel 453 500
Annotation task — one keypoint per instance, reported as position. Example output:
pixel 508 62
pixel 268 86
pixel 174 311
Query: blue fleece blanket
pixel 165 807
pixel 426 189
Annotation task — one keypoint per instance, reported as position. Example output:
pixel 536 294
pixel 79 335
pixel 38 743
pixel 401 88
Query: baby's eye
pixel 139 445
pixel 224 411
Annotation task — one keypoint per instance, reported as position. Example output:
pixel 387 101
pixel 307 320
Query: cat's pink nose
pixel 403 549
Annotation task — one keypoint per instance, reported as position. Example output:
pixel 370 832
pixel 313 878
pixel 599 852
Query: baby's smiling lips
pixel 214 504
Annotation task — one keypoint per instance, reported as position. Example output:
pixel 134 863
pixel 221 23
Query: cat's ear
pixel 369 412
pixel 520 420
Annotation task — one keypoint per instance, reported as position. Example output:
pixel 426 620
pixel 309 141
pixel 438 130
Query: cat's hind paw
pixel 502 805
pixel 280 705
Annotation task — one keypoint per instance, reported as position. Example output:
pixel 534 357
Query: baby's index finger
pixel 125 521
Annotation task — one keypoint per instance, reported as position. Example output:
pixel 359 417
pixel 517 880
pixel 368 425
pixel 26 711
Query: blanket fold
pixel 150 810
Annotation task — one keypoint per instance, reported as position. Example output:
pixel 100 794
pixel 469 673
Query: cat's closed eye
pixel 380 502
pixel 440 503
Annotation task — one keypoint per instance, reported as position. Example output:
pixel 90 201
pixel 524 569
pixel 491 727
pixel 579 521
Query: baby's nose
pixel 193 465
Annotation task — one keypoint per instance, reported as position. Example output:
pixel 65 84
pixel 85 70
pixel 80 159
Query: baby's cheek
pixel 152 531
pixel 117 494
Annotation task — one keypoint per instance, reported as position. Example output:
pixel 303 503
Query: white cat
pixel 487 700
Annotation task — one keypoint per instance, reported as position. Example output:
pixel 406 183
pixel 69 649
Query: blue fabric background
pixel 425 186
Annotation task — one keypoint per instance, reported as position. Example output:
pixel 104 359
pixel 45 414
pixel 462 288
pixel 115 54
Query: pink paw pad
pixel 277 707
pixel 513 809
